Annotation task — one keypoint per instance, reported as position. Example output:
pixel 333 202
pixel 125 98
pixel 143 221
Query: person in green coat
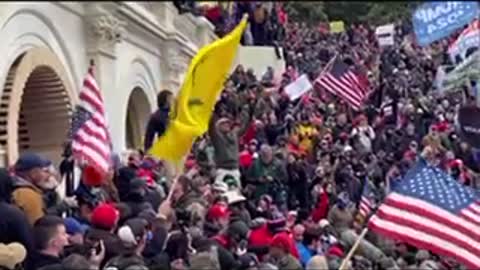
pixel 266 172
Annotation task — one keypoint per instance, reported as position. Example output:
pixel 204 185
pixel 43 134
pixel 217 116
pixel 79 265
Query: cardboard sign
pixel 337 27
pixel 385 35
pixel 299 87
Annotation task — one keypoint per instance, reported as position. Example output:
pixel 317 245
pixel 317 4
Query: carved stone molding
pixel 107 28
pixel 176 63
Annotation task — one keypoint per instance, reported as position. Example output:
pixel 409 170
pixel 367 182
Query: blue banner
pixel 435 20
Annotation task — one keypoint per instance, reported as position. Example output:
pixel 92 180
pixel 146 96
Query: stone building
pixel 139 48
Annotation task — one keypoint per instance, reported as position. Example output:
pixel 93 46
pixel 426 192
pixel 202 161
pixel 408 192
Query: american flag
pixel 342 81
pixel 89 132
pixel 367 202
pixel 430 210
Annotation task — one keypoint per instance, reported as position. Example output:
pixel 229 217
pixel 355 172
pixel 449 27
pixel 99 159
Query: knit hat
pixel 133 231
pixel 277 225
pixel 335 251
pixel 281 241
pixel 248 260
pixel 73 227
pixel 317 262
pixel 12 254
pixel 422 255
pixel 30 161
pixel 238 230
pixel 105 216
pixel 323 223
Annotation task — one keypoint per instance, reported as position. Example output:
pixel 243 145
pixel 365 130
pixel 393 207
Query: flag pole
pixel 353 249
pixel 360 237
pixel 324 69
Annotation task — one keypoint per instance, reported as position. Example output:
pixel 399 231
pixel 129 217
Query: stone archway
pixel 35 106
pixel 138 112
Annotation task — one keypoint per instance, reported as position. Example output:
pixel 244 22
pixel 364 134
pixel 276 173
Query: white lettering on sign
pixel 444 21
pixel 430 14
pixel 472 129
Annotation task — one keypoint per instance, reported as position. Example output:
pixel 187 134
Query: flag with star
pixel 431 210
pixel 88 132
pixel 367 201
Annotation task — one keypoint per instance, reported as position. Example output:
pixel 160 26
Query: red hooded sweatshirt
pixel 321 209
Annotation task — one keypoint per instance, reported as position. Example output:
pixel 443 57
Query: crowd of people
pixel 266 19
pixel 274 184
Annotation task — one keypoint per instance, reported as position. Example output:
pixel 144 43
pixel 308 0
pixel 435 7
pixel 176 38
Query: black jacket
pixel 113 244
pixel 157 124
pixel 14 226
pixel 42 261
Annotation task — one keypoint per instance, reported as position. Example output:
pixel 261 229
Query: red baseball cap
pixel 218 211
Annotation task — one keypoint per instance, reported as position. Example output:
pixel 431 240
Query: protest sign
pixel 299 87
pixel 435 20
pixel 468 124
pixel 385 35
pixel 337 27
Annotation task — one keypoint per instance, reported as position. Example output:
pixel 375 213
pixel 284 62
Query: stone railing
pixel 198 30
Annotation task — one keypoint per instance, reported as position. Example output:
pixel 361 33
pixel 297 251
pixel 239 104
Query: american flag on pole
pixel 430 210
pixel 89 132
pixel 342 81
pixel 367 201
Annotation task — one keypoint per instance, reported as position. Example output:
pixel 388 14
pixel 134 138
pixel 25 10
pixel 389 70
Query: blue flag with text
pixel 435 20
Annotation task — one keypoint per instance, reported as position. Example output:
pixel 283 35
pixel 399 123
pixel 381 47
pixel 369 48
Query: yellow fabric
pixel 199 93
pixel 337 27
pixel 305 132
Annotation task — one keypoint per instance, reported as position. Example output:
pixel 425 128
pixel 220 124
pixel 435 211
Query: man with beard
pixel 32 175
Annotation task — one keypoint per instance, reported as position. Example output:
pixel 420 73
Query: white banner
pixel 299 87
pixel 385 35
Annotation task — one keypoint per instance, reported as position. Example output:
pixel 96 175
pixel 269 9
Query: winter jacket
pixel 43 261
pixel 260 170
pixel 341 220
pixel 225 257
pixel 113 244
pixel 289 263
pixel 29 199
pixel 157 125
pixel 305 253
pixel 126 262
pixel 14 226
pixel 226 148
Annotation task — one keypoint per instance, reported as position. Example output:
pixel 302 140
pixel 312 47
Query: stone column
pixel 3 157
pixel 177 68
pixel 105 30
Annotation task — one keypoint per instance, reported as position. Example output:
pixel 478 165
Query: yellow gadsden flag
pixel 195 103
